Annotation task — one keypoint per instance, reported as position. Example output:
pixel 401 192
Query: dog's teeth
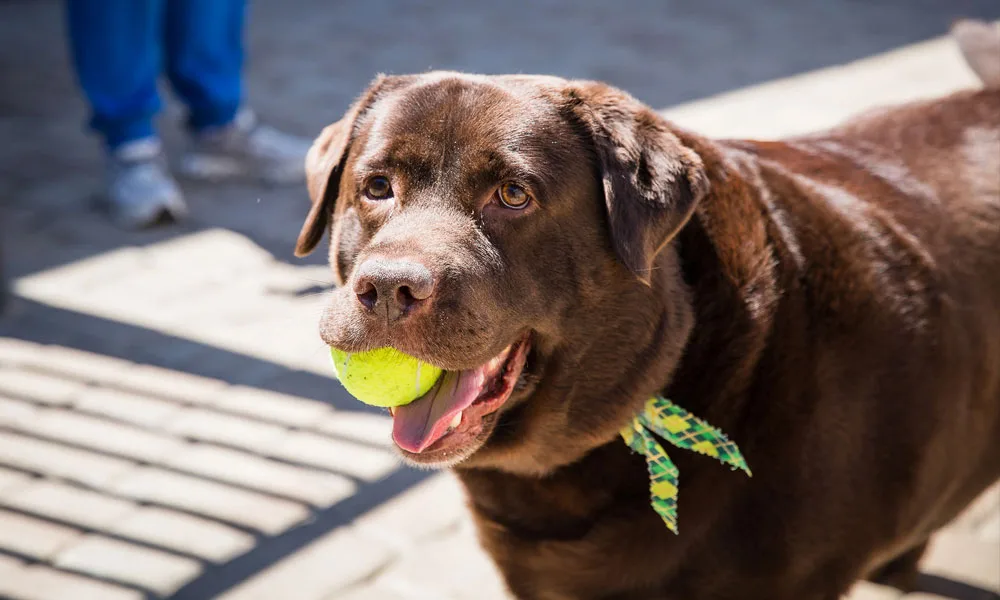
pixel 456 421
pixel 392 411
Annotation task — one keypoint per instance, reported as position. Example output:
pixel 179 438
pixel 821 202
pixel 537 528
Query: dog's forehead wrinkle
pixel 454 140
pixel 477 105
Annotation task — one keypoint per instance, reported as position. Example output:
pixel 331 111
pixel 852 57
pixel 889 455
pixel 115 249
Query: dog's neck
pixel 733 293
pixel 735 273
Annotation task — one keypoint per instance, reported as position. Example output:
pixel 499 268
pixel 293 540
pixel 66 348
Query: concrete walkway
pixel 168 424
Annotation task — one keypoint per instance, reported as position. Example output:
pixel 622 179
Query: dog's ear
pixel 651 180
pixel 979 42
pixel 324 165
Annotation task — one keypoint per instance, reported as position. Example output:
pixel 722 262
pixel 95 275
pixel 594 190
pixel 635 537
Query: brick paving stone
pixel 339 456
pixel 232 365
pixel 127 406
pixel 269 476
pixel 78 364
pixel 217 302
pixel 212 499
pixel 434 567
pixel 14 351
pixel 272 406
pixel 287 282
pixel 14 413
pixel 49 194
pixel 103 435
pixel 54 460
pixel 335 561
pixel 120 301
pixel 237 306
pixel 8 564
pixel 302 349
pixel 229 250
pixel 38 387
pixel 296 328
pixel 172 384
pixel 149 286
pixel 986 506
pixel 70 504
pixel 304 383
pixel 409 590
pixel 869 591
pixel 33 537
pixel 231 430
pixel 67 330
pixel 70 280
pixel 257 344
pixel 965 557
pixel 179 354
pixel 370 592
pixel 180 532
pixel 360 426
pixel 150 569
pixel 430 507
pixel 990 529
pixel 824 98
pixel 10 480
pixel 40 582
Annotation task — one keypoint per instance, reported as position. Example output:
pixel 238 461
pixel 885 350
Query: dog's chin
pixel 469 405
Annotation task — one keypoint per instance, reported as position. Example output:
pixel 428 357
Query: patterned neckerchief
pixel 684 430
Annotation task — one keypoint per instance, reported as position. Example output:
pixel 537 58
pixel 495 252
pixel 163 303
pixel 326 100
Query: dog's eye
pixel 378 188
pixel 513 196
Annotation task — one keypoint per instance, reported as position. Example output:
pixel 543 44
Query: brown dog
pixel 831 302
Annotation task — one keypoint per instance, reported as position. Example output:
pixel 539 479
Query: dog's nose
pixel 393 286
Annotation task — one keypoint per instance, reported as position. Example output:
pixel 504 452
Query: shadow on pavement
pixel 224 577
pixel 45 324
pixel 949 588
pixel 58 328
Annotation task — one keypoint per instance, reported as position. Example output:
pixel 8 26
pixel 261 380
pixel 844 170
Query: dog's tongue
pixel 424 421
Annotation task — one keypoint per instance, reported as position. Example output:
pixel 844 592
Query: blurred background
pixel 169 426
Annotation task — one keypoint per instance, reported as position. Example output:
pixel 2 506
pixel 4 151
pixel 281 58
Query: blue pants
pixel 121 47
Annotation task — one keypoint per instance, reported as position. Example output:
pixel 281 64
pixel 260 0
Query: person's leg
pixel 116 48
pixel 116 52
pixel 205 66
pixel 205 58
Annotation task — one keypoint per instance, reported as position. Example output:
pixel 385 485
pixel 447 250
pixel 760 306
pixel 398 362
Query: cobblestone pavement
pixel 168 426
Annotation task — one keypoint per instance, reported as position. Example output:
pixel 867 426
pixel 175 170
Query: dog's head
pixel 510 230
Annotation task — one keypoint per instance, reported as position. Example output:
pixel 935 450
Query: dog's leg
pixel 902 571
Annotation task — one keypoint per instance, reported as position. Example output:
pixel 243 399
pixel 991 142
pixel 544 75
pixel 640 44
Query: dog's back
pixel 887 234
pixel 897 214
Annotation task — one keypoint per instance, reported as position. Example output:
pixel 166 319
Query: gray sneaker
pixel 141 191
pixel 246 148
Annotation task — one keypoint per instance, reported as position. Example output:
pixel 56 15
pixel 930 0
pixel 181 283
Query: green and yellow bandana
pixel 684 430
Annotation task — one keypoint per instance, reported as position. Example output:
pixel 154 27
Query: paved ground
pixel 168 426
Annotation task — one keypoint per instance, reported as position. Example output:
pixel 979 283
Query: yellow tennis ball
pixel 384 377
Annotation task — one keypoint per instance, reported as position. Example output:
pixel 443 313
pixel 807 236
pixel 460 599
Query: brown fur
pixel 832 302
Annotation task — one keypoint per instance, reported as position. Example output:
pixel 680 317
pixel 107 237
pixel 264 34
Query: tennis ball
pixel 384 377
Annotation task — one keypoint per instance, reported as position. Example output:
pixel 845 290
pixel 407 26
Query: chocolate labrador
pixel 832 302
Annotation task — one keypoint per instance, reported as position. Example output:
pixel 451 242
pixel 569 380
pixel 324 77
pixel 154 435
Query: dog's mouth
pixel 448 421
